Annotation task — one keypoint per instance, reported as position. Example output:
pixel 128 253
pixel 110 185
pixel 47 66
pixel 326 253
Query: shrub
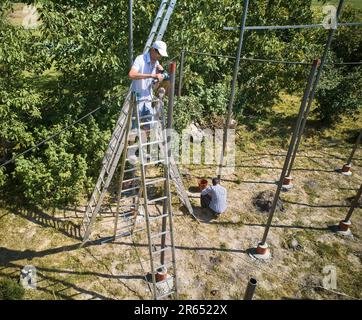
pixel 186 110
pixel 10 290
pixel 339 94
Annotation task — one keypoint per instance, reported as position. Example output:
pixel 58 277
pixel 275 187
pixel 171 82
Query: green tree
pixel 77 60
pixel 339 91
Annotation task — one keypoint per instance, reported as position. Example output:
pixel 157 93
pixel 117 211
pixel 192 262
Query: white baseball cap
pixel 161 47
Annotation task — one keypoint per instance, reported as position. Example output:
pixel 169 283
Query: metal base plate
pixel 349 173
pixel 347 233
pixel 263 257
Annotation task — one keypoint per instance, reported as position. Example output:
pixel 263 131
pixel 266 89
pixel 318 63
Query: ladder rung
pixel 143 117
pixel 130 170
pixel 162 266
pixel 126 226
pixel 161 250
pixel 90 210
pixel 159 235
pixel 129 197
pixel 158 217
pixel 133 146
pixel 148 122
pixel 150 143
pixel 106 170
pixel 157 199
pixel 155 181
pixel 129 180
pixel 130 189
pixel 165 294
pixel 154 162
pixel 123 234
pixel 138 230
pixel 102 180
pixel 126 214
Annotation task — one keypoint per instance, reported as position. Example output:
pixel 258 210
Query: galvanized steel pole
pixel 354 148
pixel 300 134
pixel 233 85
pixel 353 205
pixel 130 34
pixel 291 145
pixel 171 94
pixel 250 289
pixel 182 58
pixel 297 26
pixel 314 88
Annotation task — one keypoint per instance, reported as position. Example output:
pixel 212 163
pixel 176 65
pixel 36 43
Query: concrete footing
pixel 288 183
pixel 261 252
pixel 344 229
pixel 161 274
pixel 346 170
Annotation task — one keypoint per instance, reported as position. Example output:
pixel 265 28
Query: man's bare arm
pixel 135 75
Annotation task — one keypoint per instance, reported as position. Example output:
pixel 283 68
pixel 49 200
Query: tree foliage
pixel 10 289
pixel 77 60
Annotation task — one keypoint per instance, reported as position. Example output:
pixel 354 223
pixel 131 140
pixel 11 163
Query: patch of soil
pixel 264 201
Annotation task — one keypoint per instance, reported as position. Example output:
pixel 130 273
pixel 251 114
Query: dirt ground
pixel 213 259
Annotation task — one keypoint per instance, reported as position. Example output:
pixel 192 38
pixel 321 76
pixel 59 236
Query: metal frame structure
pixel 292 147
pixel 233 85
pixel 303 112
pixel 353 205
pixel 301 26
pixel 243 28
pixel 130 31
pixel 347 166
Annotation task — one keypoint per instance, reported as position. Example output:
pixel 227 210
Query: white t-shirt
pixel 144 86
pixel 218 197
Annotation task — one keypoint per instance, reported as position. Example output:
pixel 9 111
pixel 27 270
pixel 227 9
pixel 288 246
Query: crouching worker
pixel 214 198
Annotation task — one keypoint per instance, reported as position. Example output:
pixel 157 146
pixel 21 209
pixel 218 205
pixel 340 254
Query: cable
pixel 272 61
pixel 171 60
pixel 301 26
pixel 268 271
pixel 50 137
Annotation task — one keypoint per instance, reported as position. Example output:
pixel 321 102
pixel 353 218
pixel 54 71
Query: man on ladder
pixel 147 70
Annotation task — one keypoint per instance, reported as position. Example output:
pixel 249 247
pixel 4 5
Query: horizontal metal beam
pixel 269 60
pixel 301 26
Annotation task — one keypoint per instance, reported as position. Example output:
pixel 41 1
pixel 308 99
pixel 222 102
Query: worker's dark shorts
pixel 205 202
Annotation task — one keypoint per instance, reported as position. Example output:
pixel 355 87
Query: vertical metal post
pixel 182 60
pixel 314 88
pixel 291 145
pixel 171 94
pixel 233 85
pixel 130 34
pixel 250 289
pixel 354 148
pixel 354 204
pixel 300 133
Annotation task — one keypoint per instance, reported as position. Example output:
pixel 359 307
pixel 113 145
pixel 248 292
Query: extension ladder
pixel 117 142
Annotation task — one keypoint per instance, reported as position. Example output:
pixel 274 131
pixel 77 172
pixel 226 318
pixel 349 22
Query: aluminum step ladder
pixel 162 274
pixel 118 139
